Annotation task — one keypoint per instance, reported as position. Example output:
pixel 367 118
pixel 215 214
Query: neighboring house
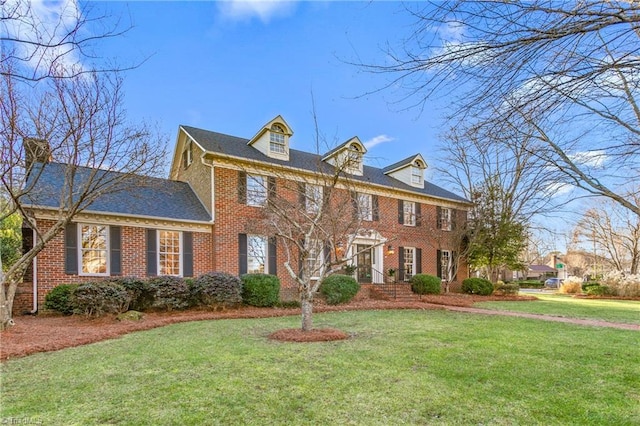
pixel 196 221
pixel 535 272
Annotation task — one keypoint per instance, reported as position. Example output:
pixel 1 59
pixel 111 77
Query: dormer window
pixel 277 140
pixel 416 173
pixel 354 158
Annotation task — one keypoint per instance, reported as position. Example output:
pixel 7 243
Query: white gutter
pixel 35 284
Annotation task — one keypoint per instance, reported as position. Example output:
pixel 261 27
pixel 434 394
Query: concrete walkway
pixel 593 323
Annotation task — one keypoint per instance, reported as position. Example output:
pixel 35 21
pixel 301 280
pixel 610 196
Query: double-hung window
pixel 313 198
pixel 446 265
pixel 365 206
pixel 409 213
pixel 256 254
pixel 276 139
pixel 169 253
pixel 409 262
pixel 256 190
pixel 445 219
pixel 94 249
pixel 416 175
pixel 315 258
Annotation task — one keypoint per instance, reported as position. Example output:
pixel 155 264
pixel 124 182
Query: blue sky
pixel 231 67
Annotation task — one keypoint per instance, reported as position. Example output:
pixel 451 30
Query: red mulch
pixel 44 333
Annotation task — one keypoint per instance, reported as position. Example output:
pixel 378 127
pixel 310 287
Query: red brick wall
pixel 51 270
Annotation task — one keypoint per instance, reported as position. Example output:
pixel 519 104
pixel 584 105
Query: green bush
pixel 140 292
pixel 99 298
pixel 260 289
pixel 59 299
pixel 426 284
pixel 169 293
pixel 507 289
pixel 477 286
pixel 217 288
pixel 587 284
pixel 598 290
pixel 339 288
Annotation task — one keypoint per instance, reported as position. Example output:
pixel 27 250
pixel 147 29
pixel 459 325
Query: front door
pixel 364 260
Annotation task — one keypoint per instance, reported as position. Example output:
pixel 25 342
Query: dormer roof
pixel 409 161
pixel 277 120
pixel 343 146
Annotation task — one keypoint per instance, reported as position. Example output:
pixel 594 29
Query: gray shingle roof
pixel 135 195
pixel 237 147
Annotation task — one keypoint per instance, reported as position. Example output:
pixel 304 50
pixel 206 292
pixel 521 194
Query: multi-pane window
pixel 409 262
pixel 409 213
pixel 187 154
pixel 256 254
pixel 276 139
pixel 313 198
pixel 365 206
pixel 445 219
pixel 94 249
pixel 445 265
pixel 416 175
pixel 315 258
pixel 169 253
pixel 256 190
pixel 354 159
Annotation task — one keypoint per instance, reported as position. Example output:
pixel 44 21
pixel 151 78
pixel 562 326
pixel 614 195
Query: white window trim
pixel 263 185
pixel 367 212
pixel 449 265
pixel 313 203
pixel 266 253
pixel 320 259
pixel 80 251
pixel 181 253
pixel 189 153
pixel 445 218
pixel 416 178
pixel 413 263
pixel 411 215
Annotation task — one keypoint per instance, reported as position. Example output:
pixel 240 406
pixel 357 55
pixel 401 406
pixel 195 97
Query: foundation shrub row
pixel 212 290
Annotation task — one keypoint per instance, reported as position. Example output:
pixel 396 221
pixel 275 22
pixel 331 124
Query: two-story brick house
pixel 197 220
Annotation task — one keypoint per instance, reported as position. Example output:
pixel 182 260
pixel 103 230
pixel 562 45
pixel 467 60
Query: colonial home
pixel 198 219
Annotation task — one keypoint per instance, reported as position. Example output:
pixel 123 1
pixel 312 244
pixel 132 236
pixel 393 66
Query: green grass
pixel 400 367
pixel 625 311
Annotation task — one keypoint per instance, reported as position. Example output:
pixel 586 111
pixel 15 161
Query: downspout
pixel 35 280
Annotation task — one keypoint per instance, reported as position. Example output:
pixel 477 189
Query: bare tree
pixel 561 75
pixel 615 231
pixel 78 123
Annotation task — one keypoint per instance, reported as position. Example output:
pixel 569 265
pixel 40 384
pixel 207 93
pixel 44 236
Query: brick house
pixel 196 221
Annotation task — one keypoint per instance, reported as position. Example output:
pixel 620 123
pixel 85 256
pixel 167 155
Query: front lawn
pixel 411 367
pixel 625 311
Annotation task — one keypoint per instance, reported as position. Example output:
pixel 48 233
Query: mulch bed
pixel 44 333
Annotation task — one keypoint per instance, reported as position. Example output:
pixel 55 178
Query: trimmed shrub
pixel 426 284
pixel 339 288
pixel 260 289
pixel 99 298
pixel 477 286
pixel 169 293
pixel 507 289
pixel 217 289
pixel 598 290
pixel 140 292
pixel 59 299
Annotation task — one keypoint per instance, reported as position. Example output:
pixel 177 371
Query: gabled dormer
pixel 347 156
pixel 410 171
pixel 273 139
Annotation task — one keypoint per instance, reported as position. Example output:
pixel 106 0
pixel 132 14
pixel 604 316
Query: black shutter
pixel 453 219
pixel 187 254
pixel 271 189
pixel 115 250
pixel 242 187
pixel 400 263
pixel 439 263
pixel 27 245
pixel 354 203
pixel 302 195
pixel 242 253
pixel 400 212
pixel 326 254
pixel 418 214
pixel 438 217
pixel 273 256
pixel 71 249
pixel 454 264
pixel 152 259
pixel 376 208
pixel 418 261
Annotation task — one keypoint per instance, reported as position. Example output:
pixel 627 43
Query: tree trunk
pixel 6 304
pixel 307 312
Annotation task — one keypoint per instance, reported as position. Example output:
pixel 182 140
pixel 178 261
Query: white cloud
pixel 41 31
pixel 594 158
pixel 377 140
pixel 264 10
